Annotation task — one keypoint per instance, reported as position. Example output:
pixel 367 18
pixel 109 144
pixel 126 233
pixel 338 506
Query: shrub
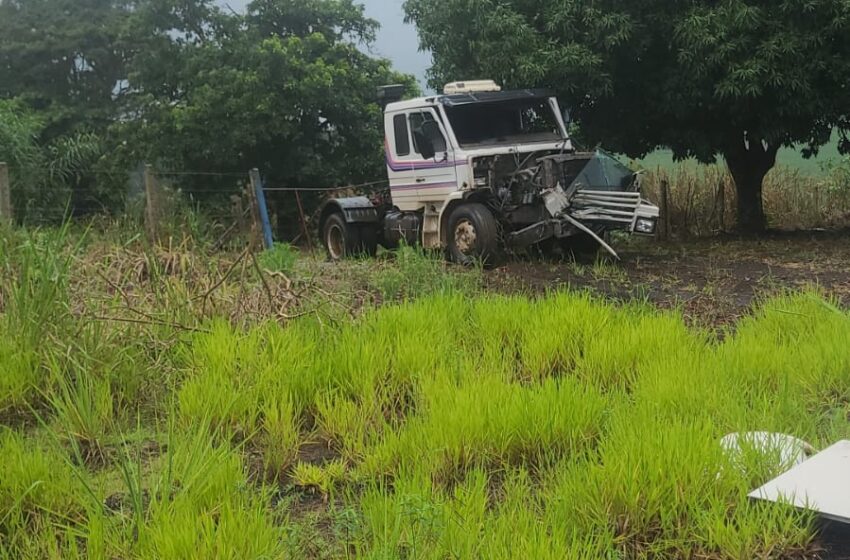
pixel 416 274
pixel 281 257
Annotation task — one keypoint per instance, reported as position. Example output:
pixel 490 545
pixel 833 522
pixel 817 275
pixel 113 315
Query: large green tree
pixel 65 59
pixel 63 64
pixel 283 87
pixel 706 78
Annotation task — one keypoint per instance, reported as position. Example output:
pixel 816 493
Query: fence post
pixel 721 195
pixel 238 211
pixel 304 230
pixel 665 210
pixel 259 200
pixel 153 204
pixel 5 195
pixel 254 227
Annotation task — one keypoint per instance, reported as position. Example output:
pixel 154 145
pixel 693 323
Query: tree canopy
pixel 285 86
pixel 731 78
pixel 64 59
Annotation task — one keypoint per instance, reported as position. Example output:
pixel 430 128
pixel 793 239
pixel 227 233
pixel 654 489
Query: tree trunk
pixel 748 165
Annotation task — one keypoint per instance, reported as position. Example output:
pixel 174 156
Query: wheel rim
pixel 465 236
pixel 335 241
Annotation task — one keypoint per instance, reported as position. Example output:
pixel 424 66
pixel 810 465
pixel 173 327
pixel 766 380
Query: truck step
pixel 431 230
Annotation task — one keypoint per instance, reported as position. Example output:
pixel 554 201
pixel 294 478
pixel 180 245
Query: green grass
pixel 606 420
pixel 280 258
pixel 445 423
pixel 416 273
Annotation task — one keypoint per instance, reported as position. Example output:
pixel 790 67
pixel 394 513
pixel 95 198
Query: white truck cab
pixel 478 171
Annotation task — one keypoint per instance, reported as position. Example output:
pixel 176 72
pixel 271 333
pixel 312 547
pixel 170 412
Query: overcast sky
pixel 396 40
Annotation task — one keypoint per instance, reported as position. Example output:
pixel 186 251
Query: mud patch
pixel 713 282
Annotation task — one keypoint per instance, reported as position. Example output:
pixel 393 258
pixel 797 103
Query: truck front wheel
pixel 342 239
pixel 473 235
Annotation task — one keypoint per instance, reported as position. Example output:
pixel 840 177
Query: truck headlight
pixel 645 225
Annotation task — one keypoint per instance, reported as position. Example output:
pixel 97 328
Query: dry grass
pixel 702 198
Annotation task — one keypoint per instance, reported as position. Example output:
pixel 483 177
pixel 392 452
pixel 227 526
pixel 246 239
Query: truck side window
pixel 416 121
pixel 402 140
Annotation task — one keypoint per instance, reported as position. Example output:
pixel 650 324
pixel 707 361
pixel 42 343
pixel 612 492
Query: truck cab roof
pixel 458 99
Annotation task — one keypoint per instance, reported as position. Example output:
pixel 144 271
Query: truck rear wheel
pixel 473 235
pixel 341 239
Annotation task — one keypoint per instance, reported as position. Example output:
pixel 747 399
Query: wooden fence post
pixel 153 204
pixel 5 195
pixel 238 211
pixel 304 229
pixel 261 217
pixel 664 209
pixel 721 195
pixel 254 227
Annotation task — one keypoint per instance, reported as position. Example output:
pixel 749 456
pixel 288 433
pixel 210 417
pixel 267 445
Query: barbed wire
pixel 209 191
pixel 104 172
pixel 325 189
pixel 201 173
pixel 84 200
pixel 140 172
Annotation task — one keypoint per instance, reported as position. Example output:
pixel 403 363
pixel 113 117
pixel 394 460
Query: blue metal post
pixel 257 183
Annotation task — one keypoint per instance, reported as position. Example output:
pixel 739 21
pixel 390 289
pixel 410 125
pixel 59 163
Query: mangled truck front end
pixel 560 195
pixel 478 171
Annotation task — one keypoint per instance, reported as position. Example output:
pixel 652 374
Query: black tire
pixel 341 239
pixel 473 235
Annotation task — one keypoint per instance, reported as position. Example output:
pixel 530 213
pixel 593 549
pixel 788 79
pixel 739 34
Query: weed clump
pixel 280 258
pixel 418 274
pixel 34 483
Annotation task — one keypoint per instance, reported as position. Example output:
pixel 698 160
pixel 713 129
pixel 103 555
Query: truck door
pixel 400 160
pixel 436 177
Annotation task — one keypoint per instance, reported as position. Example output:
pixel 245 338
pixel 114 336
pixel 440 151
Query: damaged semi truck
pixel 479 172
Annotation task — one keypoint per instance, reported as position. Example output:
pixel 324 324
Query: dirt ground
pixel 714 281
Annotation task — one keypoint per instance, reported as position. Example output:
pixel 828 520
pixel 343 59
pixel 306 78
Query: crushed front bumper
pixel 590 212
pixel 615 209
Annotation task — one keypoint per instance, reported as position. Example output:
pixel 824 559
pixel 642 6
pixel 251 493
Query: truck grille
pixel 618 207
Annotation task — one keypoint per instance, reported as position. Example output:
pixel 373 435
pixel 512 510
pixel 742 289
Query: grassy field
pixel 788 158
pixel 798 193
pixel 168 402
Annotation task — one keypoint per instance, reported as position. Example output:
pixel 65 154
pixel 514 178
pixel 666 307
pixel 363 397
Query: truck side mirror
pixel 424 143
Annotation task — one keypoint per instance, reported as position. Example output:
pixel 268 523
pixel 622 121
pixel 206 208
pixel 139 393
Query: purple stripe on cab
pixel 411 166
pixel 423 186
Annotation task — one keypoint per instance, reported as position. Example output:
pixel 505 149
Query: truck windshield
pixel 499 122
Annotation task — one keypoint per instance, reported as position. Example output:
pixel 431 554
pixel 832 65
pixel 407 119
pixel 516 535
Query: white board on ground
pixel 821 484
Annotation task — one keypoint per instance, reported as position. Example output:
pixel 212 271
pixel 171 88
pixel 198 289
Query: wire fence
pixel 225 202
